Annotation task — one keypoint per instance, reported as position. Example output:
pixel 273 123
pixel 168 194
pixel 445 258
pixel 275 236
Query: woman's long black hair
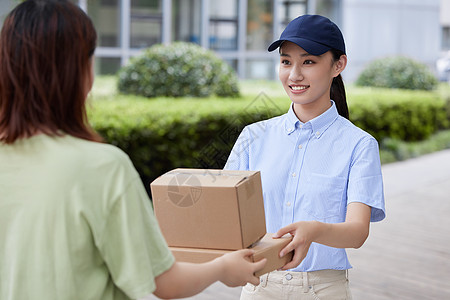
pixel 337 92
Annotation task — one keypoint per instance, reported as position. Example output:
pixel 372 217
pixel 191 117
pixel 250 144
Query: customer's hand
pixel 238 268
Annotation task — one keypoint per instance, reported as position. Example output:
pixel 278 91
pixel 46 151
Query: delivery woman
pixel 321 175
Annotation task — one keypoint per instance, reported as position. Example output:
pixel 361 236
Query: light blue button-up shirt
pixel 312 171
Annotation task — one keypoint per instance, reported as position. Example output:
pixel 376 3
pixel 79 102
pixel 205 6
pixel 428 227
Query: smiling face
pixel 307 79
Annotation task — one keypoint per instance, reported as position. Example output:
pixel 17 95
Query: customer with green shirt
pixel 75 219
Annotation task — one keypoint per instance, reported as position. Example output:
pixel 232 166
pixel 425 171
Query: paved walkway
pixel 407 256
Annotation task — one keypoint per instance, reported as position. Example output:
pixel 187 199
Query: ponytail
pixel 337 91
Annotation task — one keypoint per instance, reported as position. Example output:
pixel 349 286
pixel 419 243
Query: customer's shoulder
pixel 99 152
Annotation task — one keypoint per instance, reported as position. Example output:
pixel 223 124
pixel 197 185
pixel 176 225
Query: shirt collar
pixel 292 121
pixel 319 124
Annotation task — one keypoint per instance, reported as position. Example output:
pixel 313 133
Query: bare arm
pixel 187 279
pixel 350 234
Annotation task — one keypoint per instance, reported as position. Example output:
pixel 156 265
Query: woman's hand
pixel 304 233
pixel 238 269
pixel 187 279
pixel 349 234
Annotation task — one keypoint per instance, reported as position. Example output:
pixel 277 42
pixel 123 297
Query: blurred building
pixel 443 63
pixel 375 29
pixel 240 30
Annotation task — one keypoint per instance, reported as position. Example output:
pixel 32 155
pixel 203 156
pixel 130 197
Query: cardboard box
pixel 213 209
pixel 267 247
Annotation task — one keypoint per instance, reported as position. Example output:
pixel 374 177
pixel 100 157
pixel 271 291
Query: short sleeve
pixel 239 156
pixel 365 183
pixel 132 244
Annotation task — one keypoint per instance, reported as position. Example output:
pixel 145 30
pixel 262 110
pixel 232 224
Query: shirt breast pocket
pixel 324 196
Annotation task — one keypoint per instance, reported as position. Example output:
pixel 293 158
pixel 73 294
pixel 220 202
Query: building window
pixel 105 15
pixel 329 9
pixel 145 23
pixel 107 65
pixel 232 62
pixel 186 21
pixel 259 69
pixel 259 24
pixel 290 10
pixel 223 25
pixel 446 38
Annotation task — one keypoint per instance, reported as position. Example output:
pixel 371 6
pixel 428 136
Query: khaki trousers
pixel 284 285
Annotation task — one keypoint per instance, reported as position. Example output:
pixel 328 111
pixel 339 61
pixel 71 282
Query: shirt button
pixel 301 126
pixel 317 133
pixel 293 174
pixel 288 276
pixel 288 203
pixel 300 146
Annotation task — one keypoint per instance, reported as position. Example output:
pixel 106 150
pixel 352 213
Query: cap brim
pixel 275 45
pixel 309 46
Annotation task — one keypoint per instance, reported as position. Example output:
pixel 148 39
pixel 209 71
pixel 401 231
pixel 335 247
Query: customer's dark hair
pixel 45 52
pixel 337 91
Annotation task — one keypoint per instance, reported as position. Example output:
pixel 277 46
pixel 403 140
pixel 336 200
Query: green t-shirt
pixel 75 223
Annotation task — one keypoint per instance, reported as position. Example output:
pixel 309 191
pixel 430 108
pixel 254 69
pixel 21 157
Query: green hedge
pixel 166 133
pixel 399 114
pixel 396 150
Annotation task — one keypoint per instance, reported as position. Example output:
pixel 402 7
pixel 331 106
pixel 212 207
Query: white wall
pixel 379 28
pixel 445 12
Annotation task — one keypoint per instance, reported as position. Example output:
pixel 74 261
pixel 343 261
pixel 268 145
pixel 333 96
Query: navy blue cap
pixel 315 34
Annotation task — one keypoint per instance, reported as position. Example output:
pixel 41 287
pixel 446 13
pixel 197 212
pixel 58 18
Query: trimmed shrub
pixel 168 133
pixel 176 70
pixel 396 150
pixel 398 114
pixel 397 72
